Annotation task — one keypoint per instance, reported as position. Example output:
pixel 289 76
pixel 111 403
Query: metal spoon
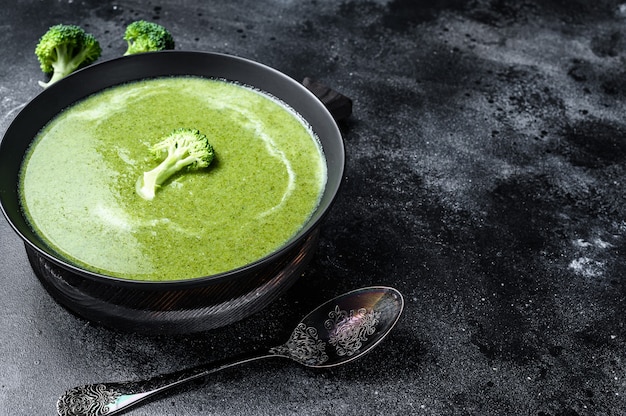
pixel 335 333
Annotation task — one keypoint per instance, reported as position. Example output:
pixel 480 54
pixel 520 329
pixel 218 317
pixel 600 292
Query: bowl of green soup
pixel 212 245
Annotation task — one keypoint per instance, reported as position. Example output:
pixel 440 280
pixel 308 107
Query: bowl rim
pixel 78 78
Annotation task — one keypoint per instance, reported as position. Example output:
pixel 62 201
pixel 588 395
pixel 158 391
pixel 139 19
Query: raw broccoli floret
pixel 182 148
pixel 65 48
pixel 143 36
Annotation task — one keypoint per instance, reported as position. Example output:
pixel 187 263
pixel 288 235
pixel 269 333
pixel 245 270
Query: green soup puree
pixel 78 180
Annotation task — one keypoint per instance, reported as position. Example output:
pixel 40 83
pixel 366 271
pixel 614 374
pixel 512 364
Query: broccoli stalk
pixel 63 49
pixel 145 36
pixel 182 148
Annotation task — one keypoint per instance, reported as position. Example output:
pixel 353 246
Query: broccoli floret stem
pixel 54 78
pixel 63 66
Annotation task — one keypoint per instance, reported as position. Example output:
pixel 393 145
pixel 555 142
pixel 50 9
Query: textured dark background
pixel 485 180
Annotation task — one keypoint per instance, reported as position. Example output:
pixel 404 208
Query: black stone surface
pixel 485 180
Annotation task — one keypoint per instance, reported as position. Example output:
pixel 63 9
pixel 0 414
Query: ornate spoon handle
pixel 109 398
pixel 350 325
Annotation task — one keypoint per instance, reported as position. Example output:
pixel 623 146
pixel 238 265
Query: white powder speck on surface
pixel 587 267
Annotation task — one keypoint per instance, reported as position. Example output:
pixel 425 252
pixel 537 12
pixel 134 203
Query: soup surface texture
pixel 78 180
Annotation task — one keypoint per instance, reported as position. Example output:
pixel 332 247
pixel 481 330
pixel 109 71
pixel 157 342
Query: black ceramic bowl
pixel 179 306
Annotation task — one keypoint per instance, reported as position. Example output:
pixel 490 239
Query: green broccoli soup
pixel 78 180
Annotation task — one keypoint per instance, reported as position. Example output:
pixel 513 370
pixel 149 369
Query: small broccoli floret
pixel 182 148
pixel 65 48
pixel 145 36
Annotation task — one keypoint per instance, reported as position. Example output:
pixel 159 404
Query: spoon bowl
pixel 344 328
pixel 334 333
